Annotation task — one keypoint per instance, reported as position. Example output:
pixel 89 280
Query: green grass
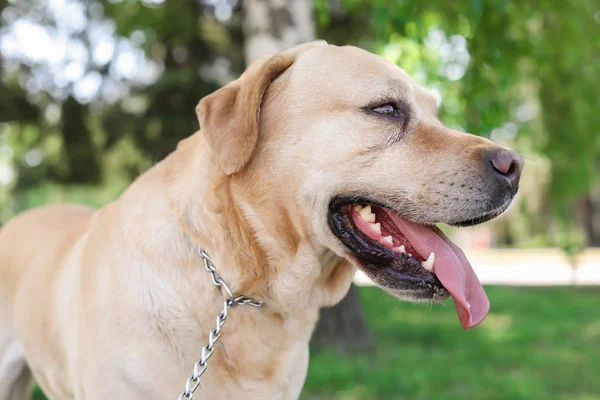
pixel 537 343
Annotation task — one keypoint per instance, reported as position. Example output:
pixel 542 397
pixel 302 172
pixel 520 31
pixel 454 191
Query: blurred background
pixel 94 92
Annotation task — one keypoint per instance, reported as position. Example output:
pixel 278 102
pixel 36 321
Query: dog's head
pixel 339 150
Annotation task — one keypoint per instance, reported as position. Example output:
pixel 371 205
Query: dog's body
pixel 102 315
pixel 115 303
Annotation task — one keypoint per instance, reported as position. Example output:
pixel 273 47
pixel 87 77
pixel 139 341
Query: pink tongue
pixel 451 267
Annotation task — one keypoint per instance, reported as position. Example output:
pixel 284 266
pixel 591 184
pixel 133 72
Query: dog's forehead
pixel 352 69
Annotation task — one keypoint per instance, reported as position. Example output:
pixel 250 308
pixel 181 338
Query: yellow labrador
pixel 314 162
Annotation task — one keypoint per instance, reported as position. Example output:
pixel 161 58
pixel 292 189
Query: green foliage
pixel 525 349
pixel 168 104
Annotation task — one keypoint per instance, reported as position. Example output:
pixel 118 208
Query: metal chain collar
pixel 193 382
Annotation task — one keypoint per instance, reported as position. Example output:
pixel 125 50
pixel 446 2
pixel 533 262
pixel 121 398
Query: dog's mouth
pixel 413 261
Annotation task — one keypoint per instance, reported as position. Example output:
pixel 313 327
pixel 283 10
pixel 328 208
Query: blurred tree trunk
pixel 271 26
pixel 344 327
pixel 588 212
pixel 83 162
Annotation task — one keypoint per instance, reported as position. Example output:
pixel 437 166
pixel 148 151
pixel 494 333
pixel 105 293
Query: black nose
pixel 507 164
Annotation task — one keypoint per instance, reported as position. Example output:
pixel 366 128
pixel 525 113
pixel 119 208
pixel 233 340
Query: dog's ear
pixel 229 117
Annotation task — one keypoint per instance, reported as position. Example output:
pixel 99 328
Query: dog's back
pixel 42 234
pixel 31 246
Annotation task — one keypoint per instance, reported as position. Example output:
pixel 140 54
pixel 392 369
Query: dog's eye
pixel 388 109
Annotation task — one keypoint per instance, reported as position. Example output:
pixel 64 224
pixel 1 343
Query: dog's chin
pixel 496 210
pixel 392 250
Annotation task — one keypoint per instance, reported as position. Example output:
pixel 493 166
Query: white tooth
pixel 402 249
pixel 358 207
pixel 428 265
pixel 388 239
pixel 367 215
pixel 410 255
pixel 376 227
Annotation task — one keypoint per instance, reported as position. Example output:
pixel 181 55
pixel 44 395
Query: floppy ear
pixel 229 117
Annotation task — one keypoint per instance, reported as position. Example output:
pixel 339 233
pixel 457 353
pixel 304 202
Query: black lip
pixel 339 201
pixel 371 256
pixel 360 245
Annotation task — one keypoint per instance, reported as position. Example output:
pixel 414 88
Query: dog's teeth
pixel 366 214
pixel 428 265
pixel 410 255
pixel 376 227
pixel 388 240
pixel 402 249
pixel 358 207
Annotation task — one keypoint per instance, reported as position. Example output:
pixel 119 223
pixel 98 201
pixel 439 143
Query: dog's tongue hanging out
pixel 451 267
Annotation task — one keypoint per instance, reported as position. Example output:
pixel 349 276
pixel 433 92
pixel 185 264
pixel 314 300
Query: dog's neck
pixel 259 247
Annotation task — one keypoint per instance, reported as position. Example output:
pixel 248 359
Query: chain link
pixel 200 366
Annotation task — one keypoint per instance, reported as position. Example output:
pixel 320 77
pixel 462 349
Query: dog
pixel 316 161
